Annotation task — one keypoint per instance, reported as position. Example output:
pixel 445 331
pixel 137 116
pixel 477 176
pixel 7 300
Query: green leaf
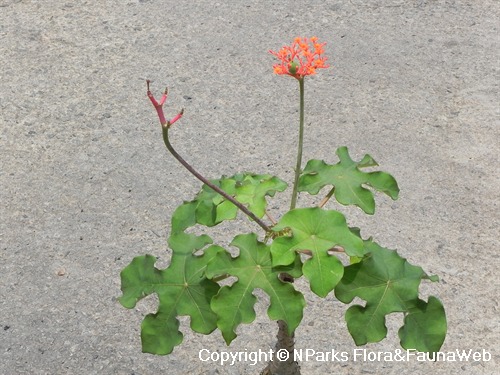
pixel 424 326
pixel 209 208
pixel 388 283
pixel 316 231
pixel 253 267
pixel 184 217
pixel 182 289
pixel 253 188
pixel 348 180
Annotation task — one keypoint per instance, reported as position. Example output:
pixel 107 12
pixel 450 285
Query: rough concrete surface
pixel 86 183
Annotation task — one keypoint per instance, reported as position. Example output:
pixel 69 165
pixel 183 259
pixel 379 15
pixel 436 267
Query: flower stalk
pixel 298 166
pixel 296 60
pixel 186 165
pixel 165 125
pixel 302 58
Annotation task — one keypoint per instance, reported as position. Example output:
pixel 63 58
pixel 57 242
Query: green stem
pixel 186 165
pixel 298 166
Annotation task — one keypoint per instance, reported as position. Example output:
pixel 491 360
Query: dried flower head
pixel 159 107
pixel 301 58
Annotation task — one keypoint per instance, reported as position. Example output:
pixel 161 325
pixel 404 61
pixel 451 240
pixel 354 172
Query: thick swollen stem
pixel 298 166
pixel 185 164
pixel 283 365
pixel 285 341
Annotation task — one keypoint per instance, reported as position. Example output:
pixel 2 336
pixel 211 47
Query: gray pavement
pixel 86 185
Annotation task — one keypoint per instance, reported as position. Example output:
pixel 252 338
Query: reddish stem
pixel 165 126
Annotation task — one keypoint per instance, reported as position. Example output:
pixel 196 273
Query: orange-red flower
pixel 301 58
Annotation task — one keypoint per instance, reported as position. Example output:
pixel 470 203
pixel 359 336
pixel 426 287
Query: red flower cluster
pixel 300 59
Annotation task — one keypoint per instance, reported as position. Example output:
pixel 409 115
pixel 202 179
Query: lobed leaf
pixel 315 231
pixel 210 208
pixel 388 283
pixel 348 180
pixel 182 289
pixel 253 267
pixel 424 326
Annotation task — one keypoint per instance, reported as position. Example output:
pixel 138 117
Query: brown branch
pixel 327 198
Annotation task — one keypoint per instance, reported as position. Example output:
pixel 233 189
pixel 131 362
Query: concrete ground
pixel 86 184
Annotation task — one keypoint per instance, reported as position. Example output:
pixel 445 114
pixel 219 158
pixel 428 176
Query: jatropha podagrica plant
pixel 304 242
